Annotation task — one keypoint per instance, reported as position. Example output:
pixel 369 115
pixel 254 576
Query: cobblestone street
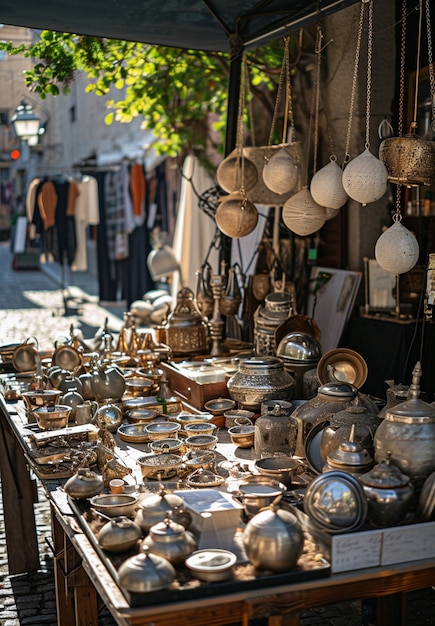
pixel 32 304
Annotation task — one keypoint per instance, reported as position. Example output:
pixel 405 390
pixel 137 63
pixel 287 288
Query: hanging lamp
pixel 397 248
pixel 409 159
pixel 365 178
pixel 236 216
pixel 280 173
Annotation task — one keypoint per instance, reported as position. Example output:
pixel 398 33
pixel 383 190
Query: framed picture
pixel 330 302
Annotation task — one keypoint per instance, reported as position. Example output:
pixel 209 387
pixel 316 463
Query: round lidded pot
pixel 273 539
pixel 170 541
pixel 259 379
pixel 84 484
pixel 389 494
pixel 145 572
pixel 330 399
pixel 154 508
pixel 349 457
pixel 275 433
pixel 119 535
pixel 408 434
pixel 356 417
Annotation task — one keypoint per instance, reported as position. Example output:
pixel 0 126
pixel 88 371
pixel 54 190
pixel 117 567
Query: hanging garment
pixel 47 203
pixel 138 192
pixel 115 213
pixel 86 214
pixel 60 236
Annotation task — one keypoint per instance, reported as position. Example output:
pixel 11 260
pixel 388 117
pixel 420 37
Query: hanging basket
pixel 302 215
pixel 397 249
pixel 409 160
pixel 280 173
pixel 236 216
pixel 365 178
pixel 327 187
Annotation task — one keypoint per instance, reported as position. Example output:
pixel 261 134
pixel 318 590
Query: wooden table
pixel 83 581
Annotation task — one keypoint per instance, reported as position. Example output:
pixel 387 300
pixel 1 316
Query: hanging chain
pixel 354 83
pixel 250 107
pixel 284 78
pixel 318 51
pixel 402 69
pixel 417 73
pixel 430 61
pixel 369 72
pixel 240 169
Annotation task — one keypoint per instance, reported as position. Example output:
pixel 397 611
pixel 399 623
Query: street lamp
pixel 25 122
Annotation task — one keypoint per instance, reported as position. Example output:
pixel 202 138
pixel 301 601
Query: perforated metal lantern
pixel 302 215
pixel 327 187
pixel 280 174
pixel 397 249
pixel 365 178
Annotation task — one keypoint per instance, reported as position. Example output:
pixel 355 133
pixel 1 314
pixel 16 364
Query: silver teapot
pixel 170 541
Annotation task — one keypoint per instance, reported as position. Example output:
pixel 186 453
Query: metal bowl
pixel 199 428
pixel 159 466
pixel 211 565
pixel 336 502
pixel 243 436
pixel 219 406
pixel 40 397
pixel 115 504
pixel 236 417
pixel 138 386
pixel 140 416
pixel 133 433
pixel 161 430
pixel 52 417
pixel 184 419
pixel 281 468
pixel 257 494
pixel 201 442
pixel 170 444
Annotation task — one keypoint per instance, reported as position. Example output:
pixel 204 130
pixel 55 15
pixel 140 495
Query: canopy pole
pixel 231 133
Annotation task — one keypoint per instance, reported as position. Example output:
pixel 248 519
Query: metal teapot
pixel 84 484
pixel 107 382
pixel 170 541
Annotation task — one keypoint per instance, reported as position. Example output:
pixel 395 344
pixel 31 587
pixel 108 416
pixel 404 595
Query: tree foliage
pixel 174 91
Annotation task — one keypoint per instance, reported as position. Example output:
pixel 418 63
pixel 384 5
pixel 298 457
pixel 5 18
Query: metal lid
pixel 350 454
pixel 299 347
pixel 343 390
pixel 412 410
pixel 384 475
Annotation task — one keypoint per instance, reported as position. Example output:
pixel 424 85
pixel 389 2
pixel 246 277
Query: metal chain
pixel 318 51
pixel 369 72
pixel 250 107
pixel 402 69
pixel 284 76
pixel 354 83
pixel 430 61
pixel 240 167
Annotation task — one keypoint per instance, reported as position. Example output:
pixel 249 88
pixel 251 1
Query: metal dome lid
pixel 298 347
pixel 342 390
pixel 412 410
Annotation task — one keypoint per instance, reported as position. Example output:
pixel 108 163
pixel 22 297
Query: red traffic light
pixel 15 154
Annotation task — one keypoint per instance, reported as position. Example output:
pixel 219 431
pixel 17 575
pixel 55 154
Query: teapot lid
pixel 167 528
pixel 337 389
pixel 350 453
pixel 385 475
pixel 413 410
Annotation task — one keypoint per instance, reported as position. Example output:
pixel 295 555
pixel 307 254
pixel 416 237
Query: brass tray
pixel 133 433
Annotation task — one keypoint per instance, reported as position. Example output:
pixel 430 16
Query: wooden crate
pixel 192 392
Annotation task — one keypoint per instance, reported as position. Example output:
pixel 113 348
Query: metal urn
pixel 275 433
pixel 408 434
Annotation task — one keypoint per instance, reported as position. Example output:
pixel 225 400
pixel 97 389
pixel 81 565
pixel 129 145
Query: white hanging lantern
pixel 365 179
pixel 302 215
pixel 327 186
pixel 236 216
pixel 397 249
pixel 280 174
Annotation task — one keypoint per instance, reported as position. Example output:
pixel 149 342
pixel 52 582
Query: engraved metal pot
pixel 185 330
pixel 409 160
pixel 258 379
pixel 408 433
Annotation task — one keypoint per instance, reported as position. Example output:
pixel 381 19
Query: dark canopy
pixel 213 25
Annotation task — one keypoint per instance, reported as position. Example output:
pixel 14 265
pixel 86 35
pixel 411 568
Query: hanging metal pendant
pixel 365 179
pixel 409 160
pixel 280 174
pixel 397 249
pixel 302 215
pixel 327 187
pixel 236 216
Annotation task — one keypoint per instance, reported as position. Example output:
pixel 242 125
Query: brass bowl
pixel 52 417
pixel 159 466
pixel 40 397
pixel 242 436
pixel 200 428
pixel 171 445
pixel 161 430
pixel 219 406
pixel 201 442
pixel 138 386
pixel 192 418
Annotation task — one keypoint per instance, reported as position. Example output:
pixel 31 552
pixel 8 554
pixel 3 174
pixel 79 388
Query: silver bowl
pixel 281 468
pixel 211 565
pixel 115 505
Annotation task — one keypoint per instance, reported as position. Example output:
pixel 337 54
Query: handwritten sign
pixel 408 543
pixel 356 551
